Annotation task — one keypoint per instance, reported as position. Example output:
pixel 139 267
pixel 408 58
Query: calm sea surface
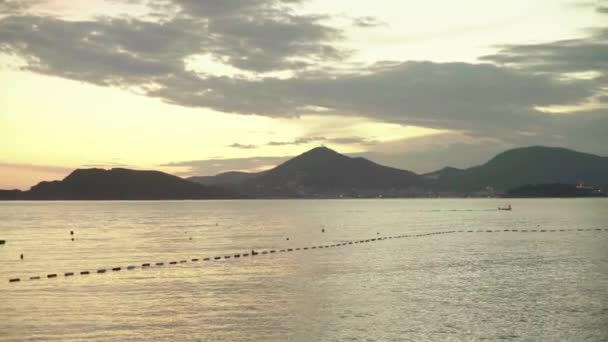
pixel 547 285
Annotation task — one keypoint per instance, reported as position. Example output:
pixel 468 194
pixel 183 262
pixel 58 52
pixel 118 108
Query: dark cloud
pixel 298 141
pixel 368 21
pixel 563 56
pixel 319 139
pixel 209 167
pixel 250 35
pixel 36 168
pixel 496 100
pixel 8 7
pixel 440 95
pixel 242 146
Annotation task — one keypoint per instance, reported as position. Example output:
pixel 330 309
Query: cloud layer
pixel 501 98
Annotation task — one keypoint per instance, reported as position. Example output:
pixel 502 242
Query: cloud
pixel 496 99
pixel 421 154
pixel 563 56
pixel 242 146
pixel 461 96
pixel 214 166
pixel 352 140
pixel 8 7
pixel 298 141
pixel 368 21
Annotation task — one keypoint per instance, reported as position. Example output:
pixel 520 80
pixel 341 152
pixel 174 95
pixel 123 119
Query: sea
pixel 322 270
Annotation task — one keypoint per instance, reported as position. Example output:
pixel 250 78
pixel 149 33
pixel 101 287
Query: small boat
pixel 508 207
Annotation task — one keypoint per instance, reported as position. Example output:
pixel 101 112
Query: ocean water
pixel 481 280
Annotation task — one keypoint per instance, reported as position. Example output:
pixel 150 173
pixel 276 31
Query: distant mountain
pixel 322 172
pixel 121 184
pixel 528 165
pixel 443 173
pixel 226 178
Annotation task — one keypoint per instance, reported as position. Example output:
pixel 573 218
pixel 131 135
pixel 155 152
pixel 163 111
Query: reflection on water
pixel 521 286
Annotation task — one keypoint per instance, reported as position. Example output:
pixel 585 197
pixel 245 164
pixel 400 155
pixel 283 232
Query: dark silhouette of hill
pixel 527 165
pixel 322 172
pixel 122 184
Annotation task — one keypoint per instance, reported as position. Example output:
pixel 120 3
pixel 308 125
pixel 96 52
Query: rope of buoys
pixel 272 251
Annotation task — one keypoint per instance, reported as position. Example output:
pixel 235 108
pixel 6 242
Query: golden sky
pixel 56 116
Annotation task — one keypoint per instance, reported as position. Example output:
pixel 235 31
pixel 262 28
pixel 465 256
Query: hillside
pixel 121 184
pixel 527 165
pixel 322 172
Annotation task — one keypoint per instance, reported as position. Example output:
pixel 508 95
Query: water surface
pixel 550 286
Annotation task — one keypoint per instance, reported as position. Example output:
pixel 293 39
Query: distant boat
pixel 508 207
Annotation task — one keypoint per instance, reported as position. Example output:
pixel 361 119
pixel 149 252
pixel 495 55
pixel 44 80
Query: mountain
pixel 322 172
pixel 527 165
pixel 222 179
pixel 121 184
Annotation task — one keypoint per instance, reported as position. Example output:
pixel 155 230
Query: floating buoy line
pixel 254 253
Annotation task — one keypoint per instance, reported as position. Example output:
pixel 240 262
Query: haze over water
pixel 550 286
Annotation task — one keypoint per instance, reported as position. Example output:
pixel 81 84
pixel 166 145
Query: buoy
pixel 2 242
pixel 323 230
pixel 287 239
pixel 71 232
pixel 21 256
pixel 72 239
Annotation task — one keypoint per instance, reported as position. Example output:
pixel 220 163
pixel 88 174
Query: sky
pixel 199 87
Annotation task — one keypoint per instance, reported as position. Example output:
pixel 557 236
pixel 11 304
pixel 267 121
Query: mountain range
pixel 322 172
pixel 325 173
